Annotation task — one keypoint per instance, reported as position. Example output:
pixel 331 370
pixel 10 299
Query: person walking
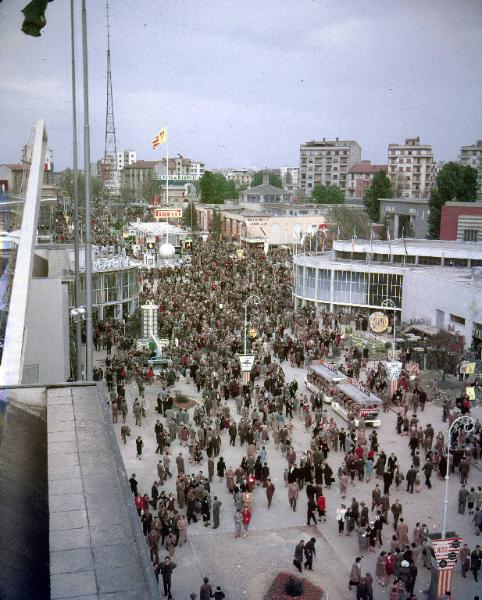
pixel 246 515
pixel 340 517
pixel 206 591
pixel 411 478
pixel 310 552
pixel 427 470
pixel 270 488
pixel 298 559
pixel 137 410
pixel 219 594
pixel 238 523
pixel 166 568
pixel 139 446
pixel 311 511
pixel 464 558
pixel 293 492
pixel 321 506
pixel 475 559
pixel 355 572
pixel 462 499
pixel 216 512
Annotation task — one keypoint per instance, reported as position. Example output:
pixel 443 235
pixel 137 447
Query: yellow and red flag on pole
pixel 160 138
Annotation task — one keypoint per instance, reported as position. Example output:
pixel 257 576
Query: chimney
pixel 265 177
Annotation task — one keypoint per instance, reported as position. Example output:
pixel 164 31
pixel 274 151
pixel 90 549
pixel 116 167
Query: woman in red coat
pixel 321 505
pixel 246 514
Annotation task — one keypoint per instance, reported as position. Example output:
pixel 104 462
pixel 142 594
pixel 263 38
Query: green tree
pixel 231 192
pixel 327 194
pixel 344 221
pixel 212 187
pixel 380 188
pixel 216 225
pixel 273 179
pixel 189 217
pixel 127 195
pixel 454 183
pixel 149 187
pixel 67 186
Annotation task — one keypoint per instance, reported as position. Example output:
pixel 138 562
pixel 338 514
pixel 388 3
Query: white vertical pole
pixel 167 171
pixel 77 298
pixel 88 232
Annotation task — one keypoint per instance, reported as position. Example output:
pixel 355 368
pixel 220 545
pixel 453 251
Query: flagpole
pixel 167 171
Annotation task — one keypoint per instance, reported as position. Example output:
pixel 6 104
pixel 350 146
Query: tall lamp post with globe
pixel 255 299
pixel 462 423
pixel 394 367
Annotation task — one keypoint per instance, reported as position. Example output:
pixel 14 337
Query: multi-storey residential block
pixel 290 178
pixel 360 177
pixel 411 168
pixel 472 156
pixel 239 176
pixel 180 168
pixel 126 158
pixel 134 175
pixel 327 162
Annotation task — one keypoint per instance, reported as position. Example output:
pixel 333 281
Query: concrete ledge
pixel 96 543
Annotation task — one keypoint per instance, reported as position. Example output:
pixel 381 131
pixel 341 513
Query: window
pixel 310 282
pixel 429 260
pixel 456 319
pixel 324 280
pixel 470 235
pixel 342 287
pixel 385 286
pixel 299 280
pixel 456 262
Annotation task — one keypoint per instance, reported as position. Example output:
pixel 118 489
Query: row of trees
pixel 67 185
pixel 215 188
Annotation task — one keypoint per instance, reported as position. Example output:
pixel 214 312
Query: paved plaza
pixel 245 567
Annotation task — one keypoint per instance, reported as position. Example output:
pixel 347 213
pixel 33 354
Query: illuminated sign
pixel 378 322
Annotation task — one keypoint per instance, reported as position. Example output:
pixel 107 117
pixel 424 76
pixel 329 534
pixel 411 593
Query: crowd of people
pixel 201 307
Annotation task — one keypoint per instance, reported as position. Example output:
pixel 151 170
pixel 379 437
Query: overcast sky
pixel 243 83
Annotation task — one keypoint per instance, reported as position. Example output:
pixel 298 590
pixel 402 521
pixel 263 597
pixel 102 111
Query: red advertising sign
pixel 168 213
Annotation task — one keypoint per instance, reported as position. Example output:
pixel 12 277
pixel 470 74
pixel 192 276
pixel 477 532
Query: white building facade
pixel 411 168
pixel 327 162
pixel 439 283
pixel 126 158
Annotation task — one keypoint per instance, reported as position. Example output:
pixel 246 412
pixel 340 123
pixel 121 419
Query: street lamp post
pixel 389 303
pixel 255 299
pixel 467 424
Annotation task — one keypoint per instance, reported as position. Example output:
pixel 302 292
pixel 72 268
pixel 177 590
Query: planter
pixel 281 583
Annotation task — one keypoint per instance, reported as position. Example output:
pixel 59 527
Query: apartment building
pixel 180 168
pixel 290 178
pixel 327 162
pixel 239 176
pixel 126 158
pixel 411 168
pixel 472 156
pixel 360 177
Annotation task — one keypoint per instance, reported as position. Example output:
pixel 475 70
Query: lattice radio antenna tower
pixel 110 175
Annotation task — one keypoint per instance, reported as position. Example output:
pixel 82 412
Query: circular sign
pixel 452 555
pixel 455 544
pixel 442 564
pixel 378 322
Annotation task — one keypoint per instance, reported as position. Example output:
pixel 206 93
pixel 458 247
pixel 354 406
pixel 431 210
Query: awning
pixel 363 398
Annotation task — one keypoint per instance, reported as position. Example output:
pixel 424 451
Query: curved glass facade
pixel 340 286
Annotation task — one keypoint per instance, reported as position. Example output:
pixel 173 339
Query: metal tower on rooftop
pixel 110 174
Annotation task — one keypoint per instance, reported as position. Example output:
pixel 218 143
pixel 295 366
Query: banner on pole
pixel 246 361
